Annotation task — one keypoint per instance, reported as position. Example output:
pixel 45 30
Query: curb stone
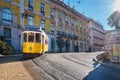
pixel 117 66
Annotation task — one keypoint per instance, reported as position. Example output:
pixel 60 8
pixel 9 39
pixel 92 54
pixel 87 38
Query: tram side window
pixel 42 39
pixel 38 38
pixel 46 41
pixel 30 37
pixel 25 37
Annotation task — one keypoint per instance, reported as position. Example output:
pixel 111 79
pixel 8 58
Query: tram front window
pixel 38 38
pixel 25 37
pixel 30 37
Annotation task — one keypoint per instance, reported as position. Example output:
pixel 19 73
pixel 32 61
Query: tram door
pixel 43 43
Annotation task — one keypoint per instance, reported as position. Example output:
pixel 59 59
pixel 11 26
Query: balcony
pixel 60 33
pixel 52 32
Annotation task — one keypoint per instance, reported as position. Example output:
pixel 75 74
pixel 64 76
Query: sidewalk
pixel 12 68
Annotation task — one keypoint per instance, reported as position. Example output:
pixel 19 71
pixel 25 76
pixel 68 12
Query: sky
pixel 99 10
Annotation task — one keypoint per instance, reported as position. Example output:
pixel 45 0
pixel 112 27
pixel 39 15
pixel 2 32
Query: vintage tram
pixel 34 41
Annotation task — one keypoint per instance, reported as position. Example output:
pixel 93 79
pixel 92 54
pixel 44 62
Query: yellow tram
pixel 34 42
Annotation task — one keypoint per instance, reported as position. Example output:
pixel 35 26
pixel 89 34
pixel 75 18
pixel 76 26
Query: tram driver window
pixel 25 37
pixel 30 37
pixel 38 39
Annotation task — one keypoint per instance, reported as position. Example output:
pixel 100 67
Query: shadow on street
pixel 16 58
pixel 102 72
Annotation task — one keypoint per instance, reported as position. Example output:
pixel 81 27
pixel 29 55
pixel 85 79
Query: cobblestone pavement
pixel 70 66
pixel 57 66
pixel 11 68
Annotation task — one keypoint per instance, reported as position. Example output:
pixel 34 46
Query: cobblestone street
pixel 59 66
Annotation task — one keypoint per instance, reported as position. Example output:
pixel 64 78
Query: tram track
pixel 44 70
pixel 75 61
pixel 55 73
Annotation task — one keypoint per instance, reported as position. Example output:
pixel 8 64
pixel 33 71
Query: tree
pixel 60 43
pixel 114 20
pixel 4 47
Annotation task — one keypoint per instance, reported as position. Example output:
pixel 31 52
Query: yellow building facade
pixel 55 17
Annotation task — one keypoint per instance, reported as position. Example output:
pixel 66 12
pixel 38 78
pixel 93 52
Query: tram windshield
pixel 30 37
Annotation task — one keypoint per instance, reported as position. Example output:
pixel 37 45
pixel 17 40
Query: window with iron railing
pixel 30 4
pixel 42 9
pixel 60 16
pixel 52 28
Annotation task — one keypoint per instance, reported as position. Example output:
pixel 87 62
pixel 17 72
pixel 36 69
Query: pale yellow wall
pixel 48 25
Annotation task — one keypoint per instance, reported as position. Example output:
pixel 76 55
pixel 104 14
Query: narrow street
pixel 69 66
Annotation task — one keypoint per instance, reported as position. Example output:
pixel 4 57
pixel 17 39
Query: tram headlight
pixel 30 48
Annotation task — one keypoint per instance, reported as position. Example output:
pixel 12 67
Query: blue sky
pixel 97 9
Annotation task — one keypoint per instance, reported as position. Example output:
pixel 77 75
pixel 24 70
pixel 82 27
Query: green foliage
pixel 5 48
pixel 60 43
pixel 76 47
pixel 114 20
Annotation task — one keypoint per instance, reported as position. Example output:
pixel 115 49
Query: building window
pixel 84 28
pixel 30 20
pixel 30 4
pixel 81 36
pixel 76 22
pixel 8 1
pixel 52 28
pixel 81 46
pixel 80 25
pixel 42 22
pixel 7 33
pixel 60 16
pixel 72 21
pixel 72 32
pixel 7 16
pixel 52 13
pixel 52 44
pixel 66 19
pixel 66 30
pixel 60 28
pixel 42 7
